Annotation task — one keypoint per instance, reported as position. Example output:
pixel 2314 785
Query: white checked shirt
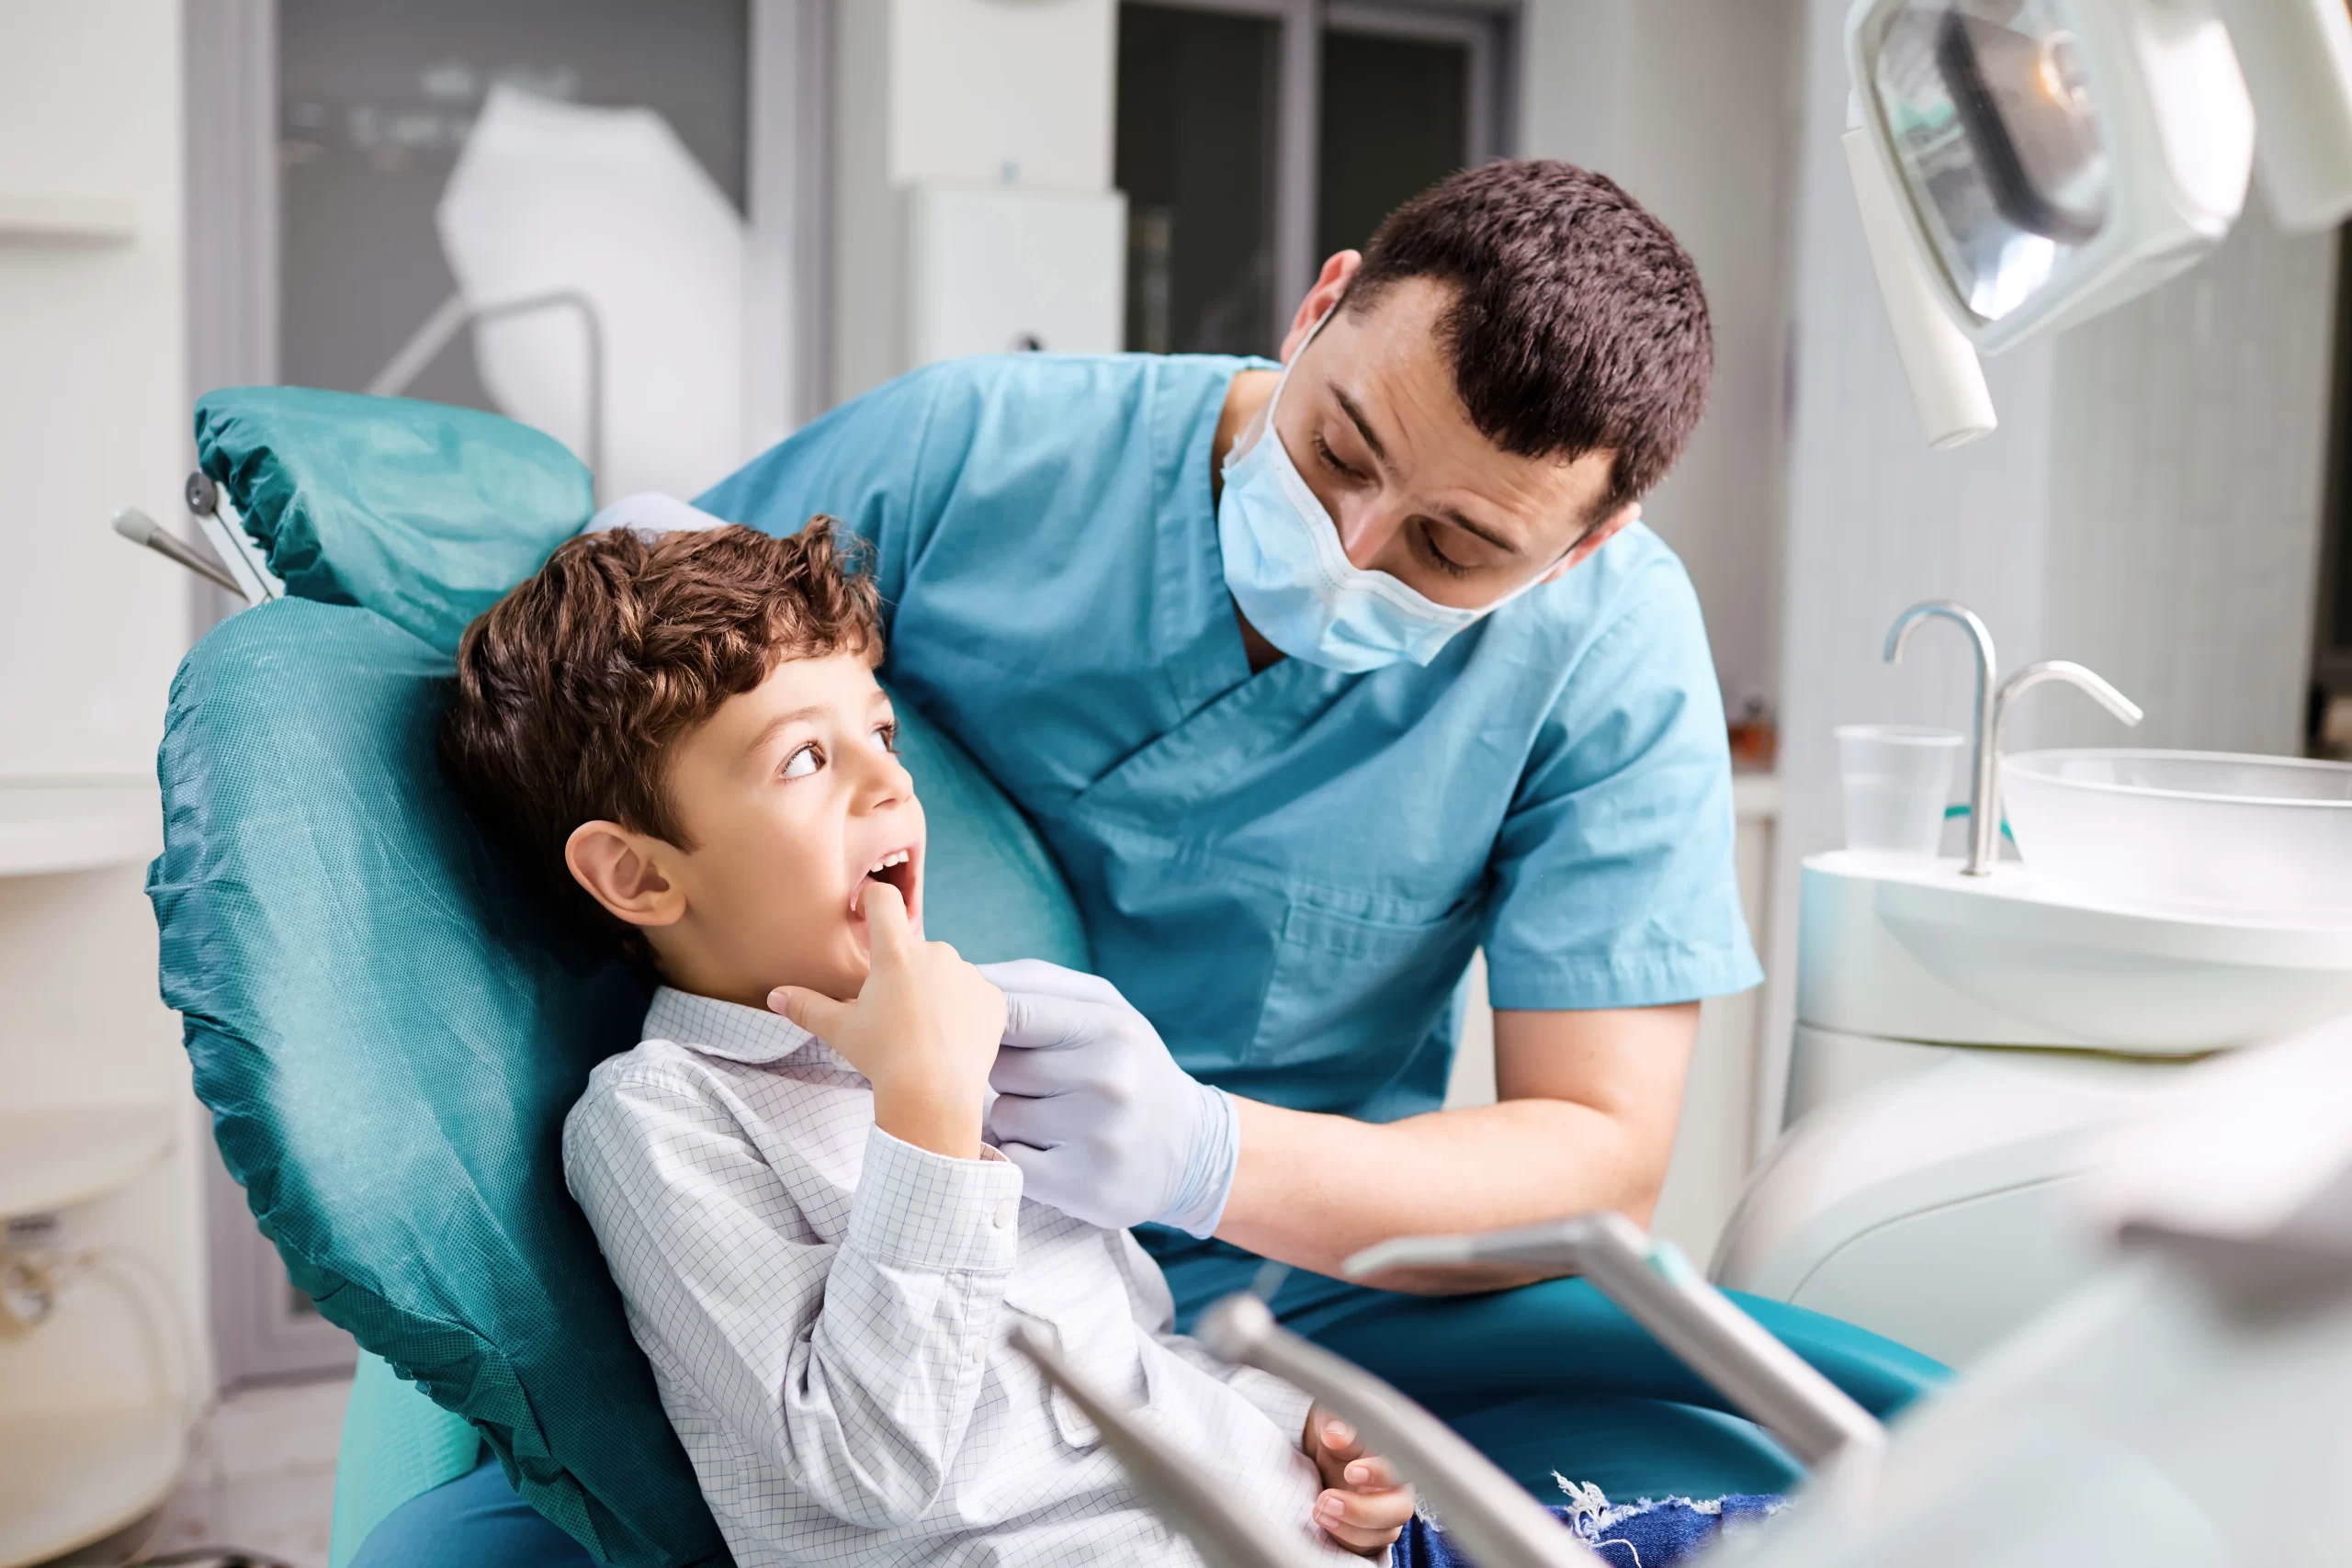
pixel 825 1309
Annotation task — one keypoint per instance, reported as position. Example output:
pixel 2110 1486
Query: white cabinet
pixel 102 1343
pixel 997 269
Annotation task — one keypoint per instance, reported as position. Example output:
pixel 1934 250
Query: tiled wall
pixel 2187 462
pixel 1691 105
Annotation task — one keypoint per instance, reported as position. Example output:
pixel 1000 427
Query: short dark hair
pixel 573 690
pixel 1577 324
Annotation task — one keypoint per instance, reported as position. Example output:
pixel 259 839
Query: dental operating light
pixel 2022 165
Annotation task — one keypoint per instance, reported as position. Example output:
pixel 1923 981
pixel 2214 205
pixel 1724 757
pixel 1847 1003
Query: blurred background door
pixel 1255 138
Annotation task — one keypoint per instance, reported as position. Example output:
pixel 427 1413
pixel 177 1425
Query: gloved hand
pixel 1102 1123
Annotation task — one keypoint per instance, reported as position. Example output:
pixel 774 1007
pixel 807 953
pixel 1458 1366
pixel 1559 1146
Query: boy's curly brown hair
pixel 574 688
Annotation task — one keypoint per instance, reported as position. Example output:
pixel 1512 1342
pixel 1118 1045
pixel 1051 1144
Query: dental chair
pixel 389 1019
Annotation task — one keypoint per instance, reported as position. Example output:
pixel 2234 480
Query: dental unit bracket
pixel 1656 1286
pixel 224 530
pixel 1993 703
pixel 1225 1535
pixel 1496 1522
pixel 144 530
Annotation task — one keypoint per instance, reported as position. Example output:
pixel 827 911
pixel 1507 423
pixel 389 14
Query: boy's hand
pixel 1363 1507
pixel 924 1030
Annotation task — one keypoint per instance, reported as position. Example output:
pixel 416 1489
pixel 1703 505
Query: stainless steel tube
pixel 1983 808
pixel 1766 1380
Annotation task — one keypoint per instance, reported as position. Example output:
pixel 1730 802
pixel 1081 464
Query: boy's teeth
pixel 885 862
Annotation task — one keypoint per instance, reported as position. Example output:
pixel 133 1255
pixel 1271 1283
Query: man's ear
pixel 625 873
pixel 1320 300
pixel 1597 536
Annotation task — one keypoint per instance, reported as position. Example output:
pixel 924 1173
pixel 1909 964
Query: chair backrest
pixel 386 1019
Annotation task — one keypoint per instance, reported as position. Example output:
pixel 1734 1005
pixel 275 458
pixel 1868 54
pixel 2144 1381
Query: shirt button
pixel 980 1354
pixel 1003 1216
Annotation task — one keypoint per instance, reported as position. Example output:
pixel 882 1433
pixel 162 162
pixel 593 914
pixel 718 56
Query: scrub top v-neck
pixel 1288 871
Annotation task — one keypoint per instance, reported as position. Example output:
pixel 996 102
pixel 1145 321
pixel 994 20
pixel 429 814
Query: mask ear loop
pixel 1264 420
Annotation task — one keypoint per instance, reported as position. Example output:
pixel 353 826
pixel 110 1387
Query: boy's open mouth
pixel 901 868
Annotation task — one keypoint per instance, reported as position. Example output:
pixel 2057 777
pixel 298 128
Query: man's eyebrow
pixel 1478 530
pixel 1363 426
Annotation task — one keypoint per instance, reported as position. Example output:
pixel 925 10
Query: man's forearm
pixel 1313 1189
pixel 1586 1122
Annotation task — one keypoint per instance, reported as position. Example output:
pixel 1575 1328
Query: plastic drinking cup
pixel 1897 779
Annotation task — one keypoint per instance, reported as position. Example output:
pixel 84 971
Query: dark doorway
pixel 1196 154
pixel 1396 121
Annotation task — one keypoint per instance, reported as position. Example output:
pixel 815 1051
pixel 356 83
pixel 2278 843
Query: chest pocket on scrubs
pixel 1366 991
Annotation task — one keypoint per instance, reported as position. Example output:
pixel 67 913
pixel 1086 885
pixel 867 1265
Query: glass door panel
pixel 1197 136
pixel 1396 119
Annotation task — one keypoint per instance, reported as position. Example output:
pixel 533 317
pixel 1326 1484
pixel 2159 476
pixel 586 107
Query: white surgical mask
pixel 1291 578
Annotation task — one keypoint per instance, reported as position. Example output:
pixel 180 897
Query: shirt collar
pixel 714 1028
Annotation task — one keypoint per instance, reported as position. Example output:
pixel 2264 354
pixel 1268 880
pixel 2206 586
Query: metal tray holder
pixel 1494 1520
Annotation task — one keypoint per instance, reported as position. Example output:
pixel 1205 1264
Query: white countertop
pixel 77 827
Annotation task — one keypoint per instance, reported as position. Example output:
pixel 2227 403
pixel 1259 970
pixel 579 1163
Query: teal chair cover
pixel 386 1020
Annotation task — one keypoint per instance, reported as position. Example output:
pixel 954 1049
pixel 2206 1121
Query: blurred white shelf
pixel 53 1156
pixel 69 1478
pixel 50 828
pixel 1755 796
pixel 67 219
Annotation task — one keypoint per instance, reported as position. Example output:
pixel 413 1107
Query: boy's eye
pixel 887 733
pixel 804 761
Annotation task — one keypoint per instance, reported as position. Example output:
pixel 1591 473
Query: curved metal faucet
pixel 2074 674
pixel 1984 820
pixel 1992 704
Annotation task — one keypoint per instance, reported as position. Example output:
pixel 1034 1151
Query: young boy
pixel 819 1254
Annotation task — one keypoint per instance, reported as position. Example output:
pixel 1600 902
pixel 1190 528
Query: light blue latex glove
pixel 1102 1123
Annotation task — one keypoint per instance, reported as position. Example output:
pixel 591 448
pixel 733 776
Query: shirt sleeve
pixel 1613 872
pixel 858 1365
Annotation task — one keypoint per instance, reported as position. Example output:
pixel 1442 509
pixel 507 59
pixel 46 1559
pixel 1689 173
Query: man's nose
pixel 1365 530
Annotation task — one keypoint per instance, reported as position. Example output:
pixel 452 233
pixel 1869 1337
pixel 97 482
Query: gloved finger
pixel 1036 1022
pixel 1044 1174
pixel 1046 979
pixel 1036 1073
pixel 1040 1123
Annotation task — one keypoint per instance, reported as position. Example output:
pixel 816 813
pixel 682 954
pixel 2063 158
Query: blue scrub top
pixel 1287 871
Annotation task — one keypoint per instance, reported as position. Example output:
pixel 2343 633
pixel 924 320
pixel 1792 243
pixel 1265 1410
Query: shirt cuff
pixel 915 1209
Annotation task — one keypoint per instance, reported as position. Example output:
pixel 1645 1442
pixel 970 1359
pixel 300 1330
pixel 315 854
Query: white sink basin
pixel 2186 831
pixel 1918 951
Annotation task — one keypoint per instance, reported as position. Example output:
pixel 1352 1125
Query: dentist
pixel 1317 677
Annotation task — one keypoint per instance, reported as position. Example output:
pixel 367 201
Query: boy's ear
pixel 622 870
